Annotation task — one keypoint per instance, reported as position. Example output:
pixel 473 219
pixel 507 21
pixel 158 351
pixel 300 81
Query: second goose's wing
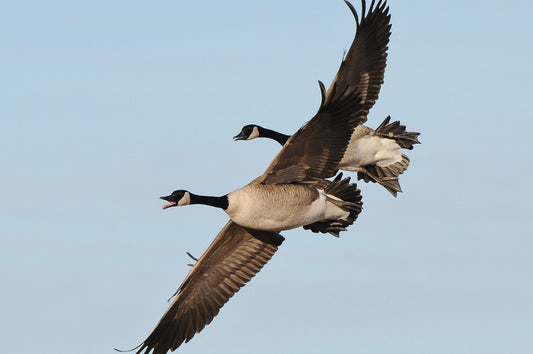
pixel 232 259
pixel 316 149
pixel 364 64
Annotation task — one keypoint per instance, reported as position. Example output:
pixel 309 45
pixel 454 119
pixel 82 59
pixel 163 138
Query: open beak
pixel 170 204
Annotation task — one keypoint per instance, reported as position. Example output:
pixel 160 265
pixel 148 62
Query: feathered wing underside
pixel 364 64
pixel 316 149
pixel 232 259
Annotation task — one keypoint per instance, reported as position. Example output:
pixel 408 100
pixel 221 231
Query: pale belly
pixel 370 150
pixel 281 208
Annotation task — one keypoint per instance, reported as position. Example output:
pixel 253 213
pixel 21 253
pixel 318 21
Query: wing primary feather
pixel 352 9
pixel 371 6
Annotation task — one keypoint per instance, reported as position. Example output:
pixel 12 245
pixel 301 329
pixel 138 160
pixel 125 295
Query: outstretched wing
pixel 232 259
pixel 364 64
pixel 315 151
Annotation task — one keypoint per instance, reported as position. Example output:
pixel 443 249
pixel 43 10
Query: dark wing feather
pixel 315 151
pixel 232 259
pixel 364 65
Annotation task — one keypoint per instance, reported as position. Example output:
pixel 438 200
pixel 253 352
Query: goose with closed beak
pixel 374 154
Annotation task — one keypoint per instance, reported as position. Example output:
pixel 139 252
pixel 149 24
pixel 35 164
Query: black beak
pixel 239 136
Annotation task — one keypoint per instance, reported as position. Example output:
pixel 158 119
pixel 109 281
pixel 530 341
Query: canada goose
pixel 284 205
pixel 295 183
pixel 291 193
pixel 374 154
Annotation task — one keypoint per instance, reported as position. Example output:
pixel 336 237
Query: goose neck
pixel 272 134
pixel 217 202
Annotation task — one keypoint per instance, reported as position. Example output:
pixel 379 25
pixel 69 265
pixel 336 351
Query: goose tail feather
pixel 348 197
pixel 397 132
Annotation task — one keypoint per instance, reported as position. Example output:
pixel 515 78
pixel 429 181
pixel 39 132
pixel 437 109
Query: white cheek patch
pixel 254 134
pixel 185 200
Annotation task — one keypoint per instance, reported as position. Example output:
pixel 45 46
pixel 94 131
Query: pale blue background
pixel 108 105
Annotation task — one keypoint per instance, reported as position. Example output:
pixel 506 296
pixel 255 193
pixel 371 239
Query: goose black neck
pixel 272 134
pixel 217 202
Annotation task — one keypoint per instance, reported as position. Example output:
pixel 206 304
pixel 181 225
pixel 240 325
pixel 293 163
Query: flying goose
pixel 292 192
pixel 284 204
pixel 374 154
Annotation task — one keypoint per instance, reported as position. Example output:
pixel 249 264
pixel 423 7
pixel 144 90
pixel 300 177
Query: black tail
pixel 349 199
pixel 397 132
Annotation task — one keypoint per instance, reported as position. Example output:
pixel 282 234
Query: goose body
pixel 279 207
pixel 375 154
pixel 273 207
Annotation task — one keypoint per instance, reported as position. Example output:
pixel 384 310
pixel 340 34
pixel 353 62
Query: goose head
pixel 177 198
pixel 248 132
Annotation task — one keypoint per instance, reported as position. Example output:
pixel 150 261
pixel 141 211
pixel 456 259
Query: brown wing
pixel 315 151
pixel 232 259
pixel 364 65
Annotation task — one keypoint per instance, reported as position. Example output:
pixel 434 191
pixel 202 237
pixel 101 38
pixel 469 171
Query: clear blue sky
pixel 108 105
